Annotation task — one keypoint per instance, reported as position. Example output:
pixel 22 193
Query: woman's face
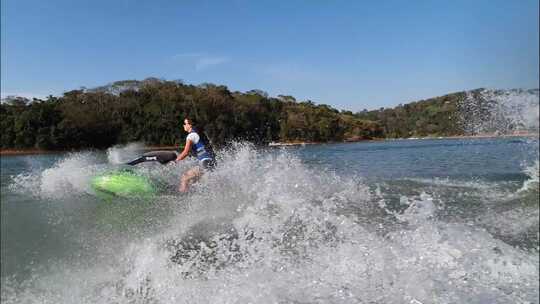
pixel 187 126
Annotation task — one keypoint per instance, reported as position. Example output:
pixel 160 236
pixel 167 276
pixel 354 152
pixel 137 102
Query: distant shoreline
pixel 34 151
pixel 9 152
pixel 471 136
pixel 300 143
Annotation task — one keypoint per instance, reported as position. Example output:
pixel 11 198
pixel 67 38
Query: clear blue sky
pixel 349 54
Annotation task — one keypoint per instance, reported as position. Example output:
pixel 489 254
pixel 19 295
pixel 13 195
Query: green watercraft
pixel 123 184
pixel 128 184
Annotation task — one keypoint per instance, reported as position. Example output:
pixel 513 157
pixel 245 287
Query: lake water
pixel 405 221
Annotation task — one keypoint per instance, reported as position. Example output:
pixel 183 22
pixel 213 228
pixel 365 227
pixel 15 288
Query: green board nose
pixel 123 184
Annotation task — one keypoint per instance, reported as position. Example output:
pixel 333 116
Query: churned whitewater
pixel 408 221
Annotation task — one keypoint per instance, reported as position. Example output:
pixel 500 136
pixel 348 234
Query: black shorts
pixel 207 164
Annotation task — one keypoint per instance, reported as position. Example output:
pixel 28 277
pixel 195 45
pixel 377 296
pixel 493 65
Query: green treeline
pixel 439 116
pixel 152 110
pixel 464 113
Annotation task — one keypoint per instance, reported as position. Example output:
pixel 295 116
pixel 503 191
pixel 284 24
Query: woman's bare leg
pixel 189 177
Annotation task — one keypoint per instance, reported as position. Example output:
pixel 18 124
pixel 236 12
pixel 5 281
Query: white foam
pixel 531 184
pixel 120 154
pixel 67 177
pixel 264 228
pixel 501 111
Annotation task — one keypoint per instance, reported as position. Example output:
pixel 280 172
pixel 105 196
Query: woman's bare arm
pixel 185 153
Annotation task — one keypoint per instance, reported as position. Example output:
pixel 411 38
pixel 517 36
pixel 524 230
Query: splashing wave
pixel 265 228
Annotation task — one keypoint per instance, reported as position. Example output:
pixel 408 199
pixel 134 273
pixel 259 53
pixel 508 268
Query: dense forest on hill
pixel 151 111
pixel 439 116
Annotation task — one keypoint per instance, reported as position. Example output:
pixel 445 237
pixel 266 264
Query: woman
pixel 198 144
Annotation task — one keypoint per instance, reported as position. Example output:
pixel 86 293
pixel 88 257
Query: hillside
pixel 151 111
